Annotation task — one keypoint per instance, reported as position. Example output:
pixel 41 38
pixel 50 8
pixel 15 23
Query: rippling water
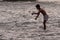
pixel 17 23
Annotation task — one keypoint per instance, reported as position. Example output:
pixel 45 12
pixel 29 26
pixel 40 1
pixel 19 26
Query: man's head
pixel 38 6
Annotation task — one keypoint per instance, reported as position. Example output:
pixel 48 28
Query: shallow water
pixel 17 23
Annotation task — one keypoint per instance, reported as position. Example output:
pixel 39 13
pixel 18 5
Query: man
pixel 40 10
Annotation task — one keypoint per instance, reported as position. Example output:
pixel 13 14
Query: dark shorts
pixel 46 17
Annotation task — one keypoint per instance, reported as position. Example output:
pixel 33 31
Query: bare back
pixel 43 12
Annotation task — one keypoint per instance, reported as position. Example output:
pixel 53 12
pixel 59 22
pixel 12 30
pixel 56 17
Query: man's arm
pixel 37 15
pixel 34 13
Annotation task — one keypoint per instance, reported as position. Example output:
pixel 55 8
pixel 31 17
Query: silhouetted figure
pixel 40 10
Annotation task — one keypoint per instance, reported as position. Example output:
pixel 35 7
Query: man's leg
pixel 44 23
